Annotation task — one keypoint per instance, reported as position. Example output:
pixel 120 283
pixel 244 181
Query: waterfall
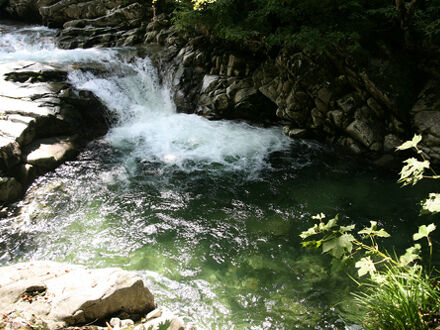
pixel 150 130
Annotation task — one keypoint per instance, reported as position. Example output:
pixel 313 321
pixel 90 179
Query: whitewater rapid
pixel 147 127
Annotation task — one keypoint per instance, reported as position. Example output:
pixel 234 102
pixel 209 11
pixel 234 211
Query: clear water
pixel 208 213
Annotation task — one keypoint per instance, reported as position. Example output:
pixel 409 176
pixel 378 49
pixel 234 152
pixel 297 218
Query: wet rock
pixel 36 102
pixel 26 10
pixel 221 102
pixel 296 133
pixel 245 94
pixel 391 142
pixel 47 154
pixel 62 294
pixel 209 83
pixel 362 132
pixel 10 190
pixel 10 153
pixel 25 174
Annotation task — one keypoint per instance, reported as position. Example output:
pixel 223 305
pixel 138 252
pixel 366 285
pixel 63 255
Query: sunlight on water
pixel 207 212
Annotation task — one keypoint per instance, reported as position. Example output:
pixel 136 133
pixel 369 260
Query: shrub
pixel 401 292
pixel 315 25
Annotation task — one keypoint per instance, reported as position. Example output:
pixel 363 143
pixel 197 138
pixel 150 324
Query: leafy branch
pixel 402 293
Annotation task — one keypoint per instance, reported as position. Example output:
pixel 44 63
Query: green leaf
pixel 424 231
pixel 339 245
pixel 309 232
pixel 372 231
pixel 431 204
pixel 365 265
pixel 330 224
pixel 411 254
pixel 410 144
pixel 344 229
pixel 413 171
pixel 319 216
pixel 315 244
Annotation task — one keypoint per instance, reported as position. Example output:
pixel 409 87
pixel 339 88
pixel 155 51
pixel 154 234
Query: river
pixel 208 212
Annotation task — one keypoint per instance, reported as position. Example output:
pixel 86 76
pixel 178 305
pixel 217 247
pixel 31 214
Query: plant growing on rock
pixel 401 292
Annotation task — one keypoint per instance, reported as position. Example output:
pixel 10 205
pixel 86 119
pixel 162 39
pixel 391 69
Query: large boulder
pixel 47 154
pixel 62 294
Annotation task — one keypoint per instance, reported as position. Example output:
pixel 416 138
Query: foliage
pixel 401 291
pixel 316 25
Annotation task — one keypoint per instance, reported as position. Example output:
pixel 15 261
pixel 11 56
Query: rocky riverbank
pixel 368 110
pixel 43 121
pixel 50 295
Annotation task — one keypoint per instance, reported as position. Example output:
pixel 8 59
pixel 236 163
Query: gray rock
pixel 10 190
pixel 428 122
pixel 390 142
pixel 295 133
pixel 115 322
pixel 337 117
pixel 209 83
pixel 362 132
pixel 154 313
pixel 63 294
pixel 126 323
pixel 245 94
pixel 48 153
pixel 348 103
pixel 221 102
pixel 325 95
pixel 175 323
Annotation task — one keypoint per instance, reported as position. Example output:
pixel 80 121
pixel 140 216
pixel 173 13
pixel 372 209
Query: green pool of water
pixel 219 248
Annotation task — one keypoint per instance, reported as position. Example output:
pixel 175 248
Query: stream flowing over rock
pixel 366 110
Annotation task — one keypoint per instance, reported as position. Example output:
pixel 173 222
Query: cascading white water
pixel 148 128
pixel 151 130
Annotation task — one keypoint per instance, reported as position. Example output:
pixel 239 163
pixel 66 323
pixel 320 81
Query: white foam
pixel 37 44
pixel 150 128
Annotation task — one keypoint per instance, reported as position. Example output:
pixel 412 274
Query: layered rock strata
pixel 367 111
pixel 43 121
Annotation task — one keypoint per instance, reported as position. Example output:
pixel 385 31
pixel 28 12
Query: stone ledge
pixel 51 295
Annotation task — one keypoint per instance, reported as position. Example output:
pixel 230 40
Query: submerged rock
pixel 60 295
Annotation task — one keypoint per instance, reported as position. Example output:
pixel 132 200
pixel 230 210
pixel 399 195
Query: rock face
pixel 327 97
pixel 86 23
pixel 41 120
pixel 426 118
pixel 60 295
pixel 365 110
